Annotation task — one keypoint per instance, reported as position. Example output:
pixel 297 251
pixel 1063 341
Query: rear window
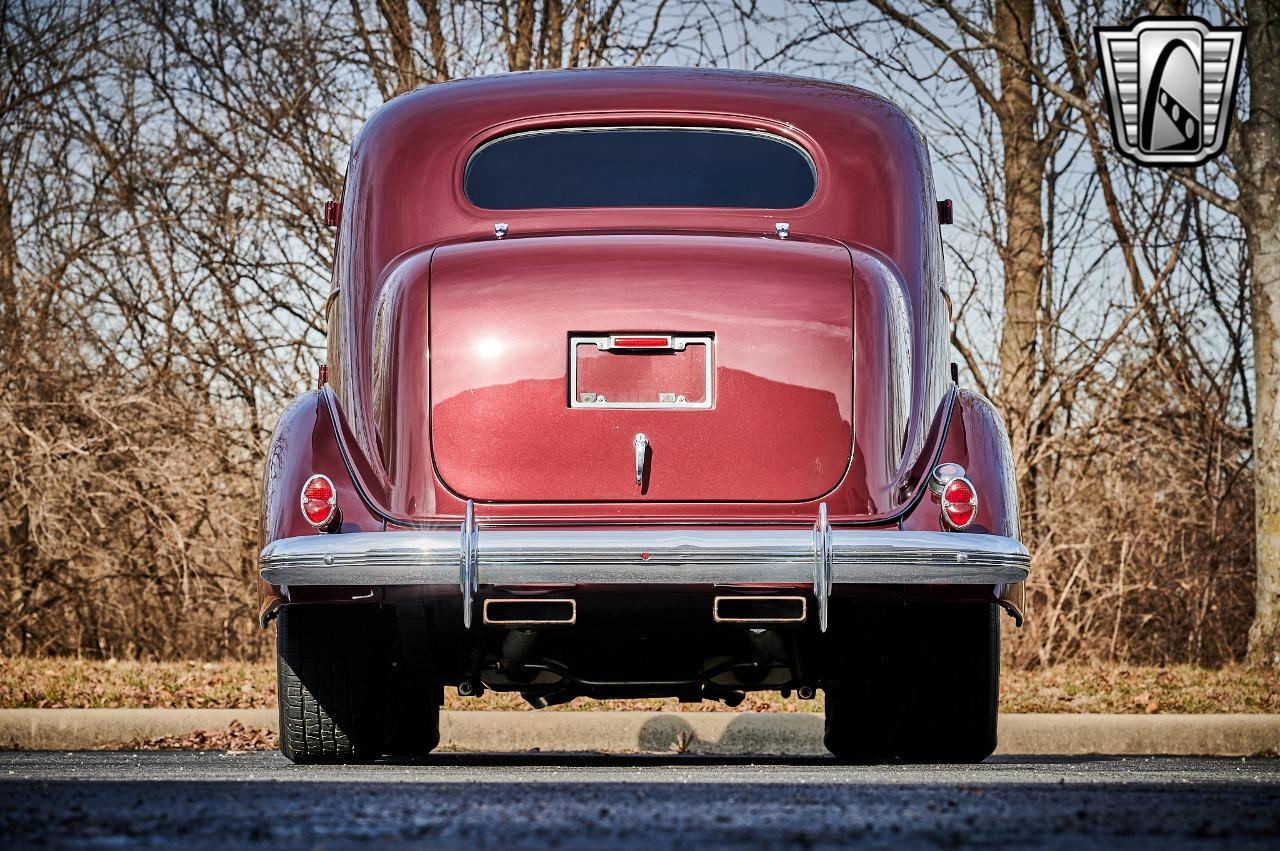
pixel 639 167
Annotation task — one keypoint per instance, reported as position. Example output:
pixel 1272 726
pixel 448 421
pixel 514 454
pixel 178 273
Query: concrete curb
pixel 793 734
pixel 77 729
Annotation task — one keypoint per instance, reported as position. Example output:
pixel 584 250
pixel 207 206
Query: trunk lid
pixel 735 363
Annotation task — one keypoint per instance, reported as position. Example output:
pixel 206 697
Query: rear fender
pixel 303 444
pixel 977 440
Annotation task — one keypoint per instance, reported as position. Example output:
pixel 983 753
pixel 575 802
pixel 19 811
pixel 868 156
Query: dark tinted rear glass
pixel 639 167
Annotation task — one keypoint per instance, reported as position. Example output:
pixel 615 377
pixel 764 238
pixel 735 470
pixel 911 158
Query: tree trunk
pixel 400 30
pixel 1259 199
pixel 10 320
pixel 553 33
pixel 435 38
pixel 1263 239
pixel 522 53
pixel 1023 249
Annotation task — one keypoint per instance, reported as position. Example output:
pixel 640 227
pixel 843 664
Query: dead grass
pixel 78 683
pixel 1175 689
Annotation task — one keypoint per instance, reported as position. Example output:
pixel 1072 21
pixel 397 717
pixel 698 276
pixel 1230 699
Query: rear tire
pixel 931 694
pixel 342 689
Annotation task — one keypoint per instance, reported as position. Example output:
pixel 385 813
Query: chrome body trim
pixel 514 557
pixel 822 565
pixel 468 564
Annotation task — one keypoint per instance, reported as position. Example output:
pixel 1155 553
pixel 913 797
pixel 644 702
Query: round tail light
pixel 319 501
pixel 959 503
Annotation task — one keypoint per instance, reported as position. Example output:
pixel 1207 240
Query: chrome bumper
pixel 469 557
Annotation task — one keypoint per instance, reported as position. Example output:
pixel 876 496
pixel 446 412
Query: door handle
pixel 642 449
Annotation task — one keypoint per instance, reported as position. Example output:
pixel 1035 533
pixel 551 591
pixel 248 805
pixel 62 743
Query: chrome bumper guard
pixel 822 557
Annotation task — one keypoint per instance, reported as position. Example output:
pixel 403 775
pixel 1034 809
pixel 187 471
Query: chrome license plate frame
pixel 617 343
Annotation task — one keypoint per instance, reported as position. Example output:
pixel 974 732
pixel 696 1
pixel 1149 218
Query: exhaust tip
pixel 533 611
pixel 770 609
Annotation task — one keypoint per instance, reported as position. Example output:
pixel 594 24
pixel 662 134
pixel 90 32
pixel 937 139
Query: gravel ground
pixel 219 799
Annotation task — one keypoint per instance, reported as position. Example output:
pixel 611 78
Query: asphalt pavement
pixel 256 800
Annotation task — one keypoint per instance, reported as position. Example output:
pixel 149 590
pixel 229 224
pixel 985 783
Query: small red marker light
pixel 959 503
pixel 319 502
pixel 654 342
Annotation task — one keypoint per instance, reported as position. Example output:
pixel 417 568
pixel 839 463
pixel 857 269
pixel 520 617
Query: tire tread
pixel 329 684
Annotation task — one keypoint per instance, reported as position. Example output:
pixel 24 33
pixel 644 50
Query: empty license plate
pixel 640 371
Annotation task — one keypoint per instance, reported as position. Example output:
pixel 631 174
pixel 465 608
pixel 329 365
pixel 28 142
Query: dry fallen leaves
pixel 235 738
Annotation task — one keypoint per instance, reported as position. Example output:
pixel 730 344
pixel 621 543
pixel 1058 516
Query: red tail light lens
pixel 959 503
pixel 639 342
pixel 319 501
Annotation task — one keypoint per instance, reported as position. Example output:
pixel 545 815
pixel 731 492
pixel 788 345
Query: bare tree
pixel 1135 327
pixel 409 45
pixel 1256 155
pixel 993 50
pixel 1254 150
pixel 163 270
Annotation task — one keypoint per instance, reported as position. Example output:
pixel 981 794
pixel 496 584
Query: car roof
pixel 404 190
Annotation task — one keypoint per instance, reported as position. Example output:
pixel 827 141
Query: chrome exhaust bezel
pixel 517 601
pixel 760 598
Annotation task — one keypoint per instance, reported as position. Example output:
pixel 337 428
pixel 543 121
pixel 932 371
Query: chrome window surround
pixel 604 343
pixel 823 557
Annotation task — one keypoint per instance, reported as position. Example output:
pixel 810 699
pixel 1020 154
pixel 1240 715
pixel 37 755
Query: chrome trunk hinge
pixel 822 566
pixel 468 564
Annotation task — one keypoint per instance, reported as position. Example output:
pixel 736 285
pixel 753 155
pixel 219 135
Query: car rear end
pixel 658 461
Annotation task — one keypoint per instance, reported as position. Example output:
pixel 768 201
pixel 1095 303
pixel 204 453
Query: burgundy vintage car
pixel 638 385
